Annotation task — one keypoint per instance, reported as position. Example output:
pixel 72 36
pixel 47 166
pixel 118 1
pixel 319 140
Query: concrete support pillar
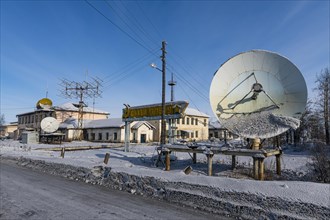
pixel 127 135
pixel 167 159
pixel 209 156
pixel 233 162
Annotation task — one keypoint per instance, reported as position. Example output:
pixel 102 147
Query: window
pixel 192 135
pixel 192 121
pixel 183 119
pixel 178 121
pixel 93 136
pixel 216 135
pixel 100 136
pixel 196 132
pixel 107 136
pixel 196 121
pixel 115 136
pixel 187 121
pixel 204 122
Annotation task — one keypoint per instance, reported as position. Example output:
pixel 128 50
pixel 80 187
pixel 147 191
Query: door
pixel 143 138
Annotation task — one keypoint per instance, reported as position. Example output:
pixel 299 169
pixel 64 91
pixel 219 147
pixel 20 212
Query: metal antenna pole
pixel 171 122
pixel 163 122
pixel 81 90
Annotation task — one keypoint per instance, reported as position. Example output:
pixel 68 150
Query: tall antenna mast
pixel 81 90
pixel 172 83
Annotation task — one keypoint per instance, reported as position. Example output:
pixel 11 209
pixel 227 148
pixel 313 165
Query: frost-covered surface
pixel 280 197
pixel 260 124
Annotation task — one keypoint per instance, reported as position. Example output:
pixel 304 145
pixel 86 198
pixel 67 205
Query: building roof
pixel 72 107
pixel 105 123
pixel 37 110
pixel 195 112
pixel 67 107
pixel 115 123
pixel 140 123
pixel 215 125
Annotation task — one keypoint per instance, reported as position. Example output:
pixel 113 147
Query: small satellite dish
pixel 49 124
pixel 258 94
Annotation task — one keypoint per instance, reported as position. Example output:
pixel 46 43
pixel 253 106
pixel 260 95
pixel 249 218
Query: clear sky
pixel 43 42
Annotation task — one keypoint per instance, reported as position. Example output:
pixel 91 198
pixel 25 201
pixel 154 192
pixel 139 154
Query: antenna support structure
pixel 81 90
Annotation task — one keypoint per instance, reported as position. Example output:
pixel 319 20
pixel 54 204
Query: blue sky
pixel 43 42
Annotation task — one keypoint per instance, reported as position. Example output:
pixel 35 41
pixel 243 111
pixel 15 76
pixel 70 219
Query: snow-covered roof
pixel 140 123
pixel 72 123
pixel 195 112
pixel 72 107
pixel 105 123
pixel 215 125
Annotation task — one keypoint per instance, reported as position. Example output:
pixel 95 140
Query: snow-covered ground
pixel 139 161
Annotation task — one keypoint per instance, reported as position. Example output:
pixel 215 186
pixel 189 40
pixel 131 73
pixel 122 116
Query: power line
pixel 127 67
pixel 192 76
pixel 131 17
pixel 145 15
pixel 123 31
pixel 192 87
pixel 123 20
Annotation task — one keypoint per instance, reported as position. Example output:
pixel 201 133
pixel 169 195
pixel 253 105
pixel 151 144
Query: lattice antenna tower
pixel 81 90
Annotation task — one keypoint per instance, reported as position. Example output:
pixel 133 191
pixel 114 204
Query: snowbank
pixel 134 172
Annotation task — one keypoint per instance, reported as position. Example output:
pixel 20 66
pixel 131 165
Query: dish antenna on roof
pixel 49 124
pixel 258 94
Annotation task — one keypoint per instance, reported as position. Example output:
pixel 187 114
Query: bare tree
pixel 303 133
pixel 2 119
pixel 323 89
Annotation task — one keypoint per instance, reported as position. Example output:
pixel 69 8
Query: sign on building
pixel 154 112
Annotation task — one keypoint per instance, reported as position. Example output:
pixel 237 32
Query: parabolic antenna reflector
pixel 49 124
pixel 258 94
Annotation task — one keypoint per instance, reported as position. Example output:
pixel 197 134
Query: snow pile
pixel 135 173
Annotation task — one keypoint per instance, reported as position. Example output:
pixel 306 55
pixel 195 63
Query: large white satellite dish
pixel 258 94
pixel 49 124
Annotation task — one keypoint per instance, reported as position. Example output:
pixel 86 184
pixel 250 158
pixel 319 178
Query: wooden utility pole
pixel 163 122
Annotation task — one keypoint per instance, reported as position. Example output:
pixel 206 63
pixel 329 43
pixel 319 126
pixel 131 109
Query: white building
pixel 193 126
pixel 113 130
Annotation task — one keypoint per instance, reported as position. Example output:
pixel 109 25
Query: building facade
pixel 30 121
pixel 216 131
pixel 113 130
pixel 192 127
pixel 8 130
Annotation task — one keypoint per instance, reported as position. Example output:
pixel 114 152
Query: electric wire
pixel 125 74
pixel 127 67
pixel 191 86
pixel 192 76
pixel 118 27
pixel 130 16
pixel 124 21
pixel 149 20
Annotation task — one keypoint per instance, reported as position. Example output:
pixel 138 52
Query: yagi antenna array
pixel 258 94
